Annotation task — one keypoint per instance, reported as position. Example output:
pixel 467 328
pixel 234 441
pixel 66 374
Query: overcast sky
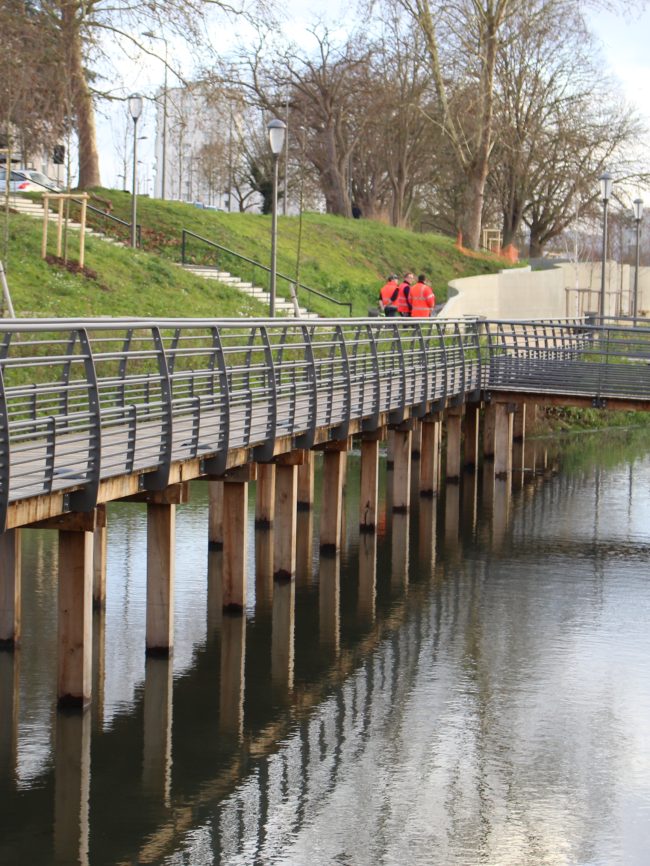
pixel 625 42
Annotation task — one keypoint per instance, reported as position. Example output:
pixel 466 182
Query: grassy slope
pixel 348 259
pixel 126 283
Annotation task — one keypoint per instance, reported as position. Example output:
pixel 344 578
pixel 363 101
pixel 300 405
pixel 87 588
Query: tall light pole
pixel 163 170
pixel 638 216
pixel 277 129
pixel 135 110
pixel 606 183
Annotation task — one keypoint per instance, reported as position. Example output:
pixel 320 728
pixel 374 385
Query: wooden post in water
pixel 235 537
pixel 518 444
pixel 489 429
pixel 286 506
pixel 369 486
pixel 416 440
pixel 430 455
pixel 332 505
pixel 98 668
pixel 390 448
pixel 161 554
pixel 306 482
pixel 265 496
pixel 503 440
pixel 519 422
pixel 10 565
pixel 454 432
pixel 304 546
pixel 263 570
pixel 75 617
pixel 214 612
pixel 471 430
pixel 100 538
pixel 215 514
pixel 402 467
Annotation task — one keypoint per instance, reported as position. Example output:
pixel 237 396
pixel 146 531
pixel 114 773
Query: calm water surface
pixel 486 701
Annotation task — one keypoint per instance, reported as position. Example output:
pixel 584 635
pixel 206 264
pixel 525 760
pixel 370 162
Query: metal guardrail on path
pixel 82 401
pixel 186 233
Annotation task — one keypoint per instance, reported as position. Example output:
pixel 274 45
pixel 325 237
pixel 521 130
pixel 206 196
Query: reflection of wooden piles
pixel 182 817
pixel 284 485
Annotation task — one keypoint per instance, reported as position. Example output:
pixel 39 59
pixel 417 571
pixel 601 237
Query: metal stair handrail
pixel 99 212
pixel 187 233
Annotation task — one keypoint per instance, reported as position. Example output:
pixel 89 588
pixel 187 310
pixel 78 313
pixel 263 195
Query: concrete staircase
pixel 34 208
pixel 283 307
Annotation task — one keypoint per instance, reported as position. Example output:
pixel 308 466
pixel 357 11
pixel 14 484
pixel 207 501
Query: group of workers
pixel 408 298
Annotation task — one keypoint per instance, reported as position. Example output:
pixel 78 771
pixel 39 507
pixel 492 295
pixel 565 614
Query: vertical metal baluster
pixel 159 479
pixel 86 499
pixel 5 451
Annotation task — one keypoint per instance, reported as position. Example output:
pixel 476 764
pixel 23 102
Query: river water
pixel 485 701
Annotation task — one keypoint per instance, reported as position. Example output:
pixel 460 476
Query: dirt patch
pixel 75 268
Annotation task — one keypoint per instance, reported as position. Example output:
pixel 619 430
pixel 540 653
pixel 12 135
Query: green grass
pixel 348 259
pixel 125 283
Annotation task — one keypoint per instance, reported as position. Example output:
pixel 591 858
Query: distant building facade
pixel 196 148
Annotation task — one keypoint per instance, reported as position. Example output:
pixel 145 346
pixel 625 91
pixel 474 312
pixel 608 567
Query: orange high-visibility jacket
pixel 388 293
pixel 403 303
pixel 422 300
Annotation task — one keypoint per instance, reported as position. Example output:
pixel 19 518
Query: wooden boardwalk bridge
pixel 97 411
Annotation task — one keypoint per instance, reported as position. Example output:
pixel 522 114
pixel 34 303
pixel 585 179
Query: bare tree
pixel 87 27
pixel 463 40
pixel 560 123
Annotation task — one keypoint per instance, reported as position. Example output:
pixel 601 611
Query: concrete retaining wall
pixel 565 290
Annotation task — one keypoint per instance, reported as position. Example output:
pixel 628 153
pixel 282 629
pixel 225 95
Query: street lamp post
pixel 606 183
pixel 277 129
pixel 163 170
pixel 135 110
pixel 638 216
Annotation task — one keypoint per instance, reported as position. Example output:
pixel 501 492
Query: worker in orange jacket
pixel 404 290
pixel 388 296
pixel 422 298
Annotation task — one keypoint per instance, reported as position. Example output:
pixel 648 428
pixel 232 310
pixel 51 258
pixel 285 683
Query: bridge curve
pixel 95 410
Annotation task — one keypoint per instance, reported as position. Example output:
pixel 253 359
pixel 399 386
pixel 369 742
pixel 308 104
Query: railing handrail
pixel 86 400
pixel 102 213
pixel 187 232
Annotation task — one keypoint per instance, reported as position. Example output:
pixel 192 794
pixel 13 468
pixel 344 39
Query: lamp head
pixel 606 184
pixel 135 105
pixel 277 129
pixel 637 206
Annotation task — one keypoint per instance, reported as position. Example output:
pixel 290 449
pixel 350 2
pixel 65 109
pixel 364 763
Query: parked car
pixel 27 180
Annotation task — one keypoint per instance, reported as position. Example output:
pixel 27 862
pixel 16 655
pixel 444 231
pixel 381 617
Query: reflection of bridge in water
pixel 133 412
pixel 171 799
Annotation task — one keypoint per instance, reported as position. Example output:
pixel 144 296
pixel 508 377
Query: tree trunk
pixel 474 208
pixel 82 105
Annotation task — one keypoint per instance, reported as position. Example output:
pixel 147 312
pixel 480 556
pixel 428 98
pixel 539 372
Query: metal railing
pixel 82 401
pixel 608 360
pixel 100 213
pixel 186 233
